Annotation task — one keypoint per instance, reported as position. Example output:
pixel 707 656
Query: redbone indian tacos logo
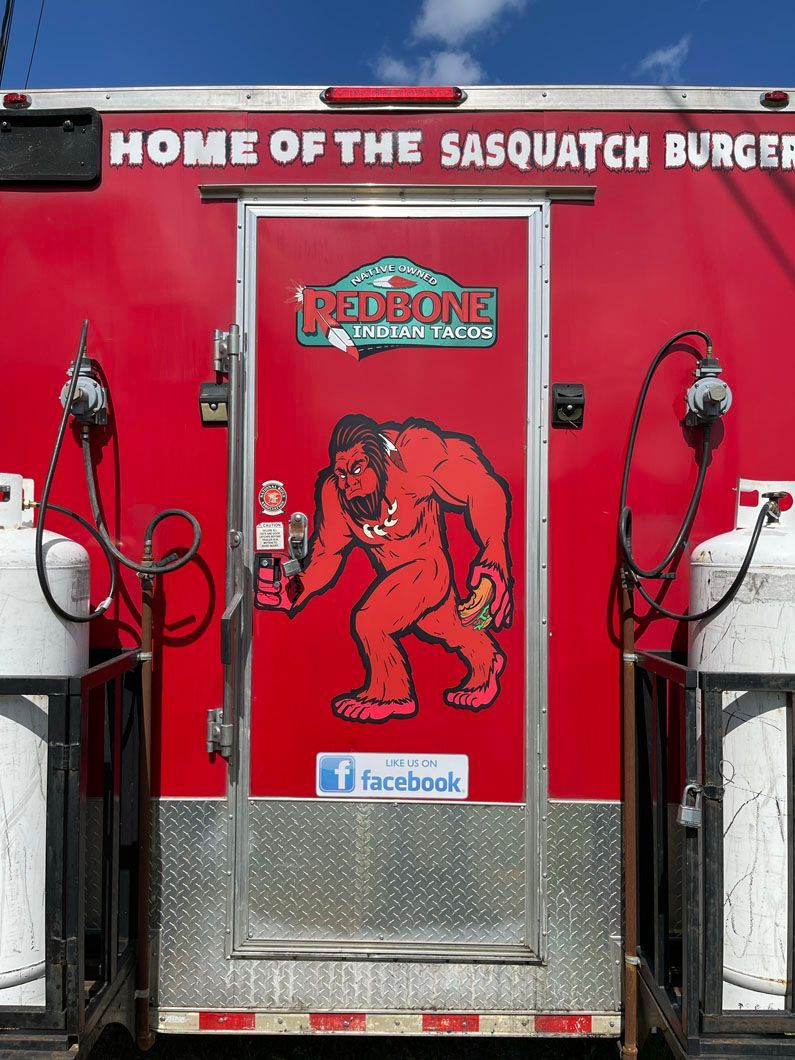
pixel 395 302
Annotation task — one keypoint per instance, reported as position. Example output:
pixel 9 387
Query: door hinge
pixel 219 734
pixel 62 952
pixel 65 757
pixel 226 344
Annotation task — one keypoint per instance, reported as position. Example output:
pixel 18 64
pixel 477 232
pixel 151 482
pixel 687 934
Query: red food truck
pixel 348 759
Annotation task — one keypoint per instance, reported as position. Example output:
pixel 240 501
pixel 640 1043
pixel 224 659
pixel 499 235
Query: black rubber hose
pixel 625 516
pixel 163 566
pixel 44 504
pixel 733 589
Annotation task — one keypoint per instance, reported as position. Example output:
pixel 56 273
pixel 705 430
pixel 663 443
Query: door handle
pixel 297 544
pixel 230 629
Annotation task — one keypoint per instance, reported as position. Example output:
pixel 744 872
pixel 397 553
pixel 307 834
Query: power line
pixel 35 42
pixel 5 34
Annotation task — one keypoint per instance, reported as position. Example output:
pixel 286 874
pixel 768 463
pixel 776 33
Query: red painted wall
pixel 153 268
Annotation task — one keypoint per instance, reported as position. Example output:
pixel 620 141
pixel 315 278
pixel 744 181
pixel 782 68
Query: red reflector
pixel 432 94
pixel 227 1021
pixel 776 98
pixel 337 1021
pixel 432 1021
pixel 563 1024
pixel 16 100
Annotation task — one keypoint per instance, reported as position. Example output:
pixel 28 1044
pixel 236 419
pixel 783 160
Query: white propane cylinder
pixel 756 632
pixel 36 643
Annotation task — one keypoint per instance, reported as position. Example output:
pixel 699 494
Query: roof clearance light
pixel 394 95
pixel 16 100
pixel 776 98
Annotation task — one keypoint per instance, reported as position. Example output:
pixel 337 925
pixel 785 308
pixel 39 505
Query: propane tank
pixel 755 632
pixel 34 642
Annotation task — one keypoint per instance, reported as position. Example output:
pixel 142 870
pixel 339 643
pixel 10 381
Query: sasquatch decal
pixel 385 490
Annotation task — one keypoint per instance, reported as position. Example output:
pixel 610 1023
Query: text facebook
pixel 393 776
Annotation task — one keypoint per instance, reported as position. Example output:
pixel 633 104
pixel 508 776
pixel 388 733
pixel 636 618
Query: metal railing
pixel 92 776
pixel 679 740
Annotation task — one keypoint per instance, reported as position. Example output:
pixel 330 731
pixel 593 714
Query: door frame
pixel 399 202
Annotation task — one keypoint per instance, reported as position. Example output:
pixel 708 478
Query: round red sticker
pixel 272 497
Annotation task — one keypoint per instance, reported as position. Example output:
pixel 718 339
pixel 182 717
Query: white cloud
pixel 665 64
pixel 393 71
pixel 453 21
pixel 439 68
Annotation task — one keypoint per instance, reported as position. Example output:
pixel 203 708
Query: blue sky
pixel 96 42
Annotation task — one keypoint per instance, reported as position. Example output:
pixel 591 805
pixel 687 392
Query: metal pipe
pixel 20 976
pixel 144 1037
pixel 629 1046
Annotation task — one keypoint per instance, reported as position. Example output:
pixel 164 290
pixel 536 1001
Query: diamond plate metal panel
pixel 93 853
pixel 584 897
pixel 584 887
pixel 387 872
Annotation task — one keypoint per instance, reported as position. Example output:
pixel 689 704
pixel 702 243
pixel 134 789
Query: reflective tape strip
pixel 391 1023
pixel 513 1025
pixel 394 1023
pixel 227 1021
pixel 554 1024
pixel 449 1023
pixel 338 1021
pixel 178 1022
pixel 607 1025
pixel 284 1023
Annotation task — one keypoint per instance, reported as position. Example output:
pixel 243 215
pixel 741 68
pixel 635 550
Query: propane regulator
pixel 84 397
pixel 708 398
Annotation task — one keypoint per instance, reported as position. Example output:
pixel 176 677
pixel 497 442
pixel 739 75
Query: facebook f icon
pixel 336 774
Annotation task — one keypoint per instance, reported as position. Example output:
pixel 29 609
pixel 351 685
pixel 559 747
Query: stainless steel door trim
pixel 298 195
pixel 401 202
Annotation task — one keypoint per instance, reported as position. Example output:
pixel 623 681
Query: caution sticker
pixel 270 537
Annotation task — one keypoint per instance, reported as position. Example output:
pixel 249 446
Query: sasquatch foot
pixel 355 707
pixel 478 697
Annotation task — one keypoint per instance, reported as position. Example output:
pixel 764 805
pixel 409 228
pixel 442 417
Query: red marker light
pixel 16 100
pixel 396 95
pixel 775 98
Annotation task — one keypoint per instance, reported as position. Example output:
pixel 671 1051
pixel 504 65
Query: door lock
pixel 297 544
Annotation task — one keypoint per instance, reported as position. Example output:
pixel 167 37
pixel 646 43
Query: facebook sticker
pixel 364 775
pixel 336 774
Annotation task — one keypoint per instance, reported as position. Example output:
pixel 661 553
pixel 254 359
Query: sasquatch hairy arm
pixel 330 541
pixel 452 470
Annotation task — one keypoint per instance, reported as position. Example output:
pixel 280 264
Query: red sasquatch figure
pixel 385 490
